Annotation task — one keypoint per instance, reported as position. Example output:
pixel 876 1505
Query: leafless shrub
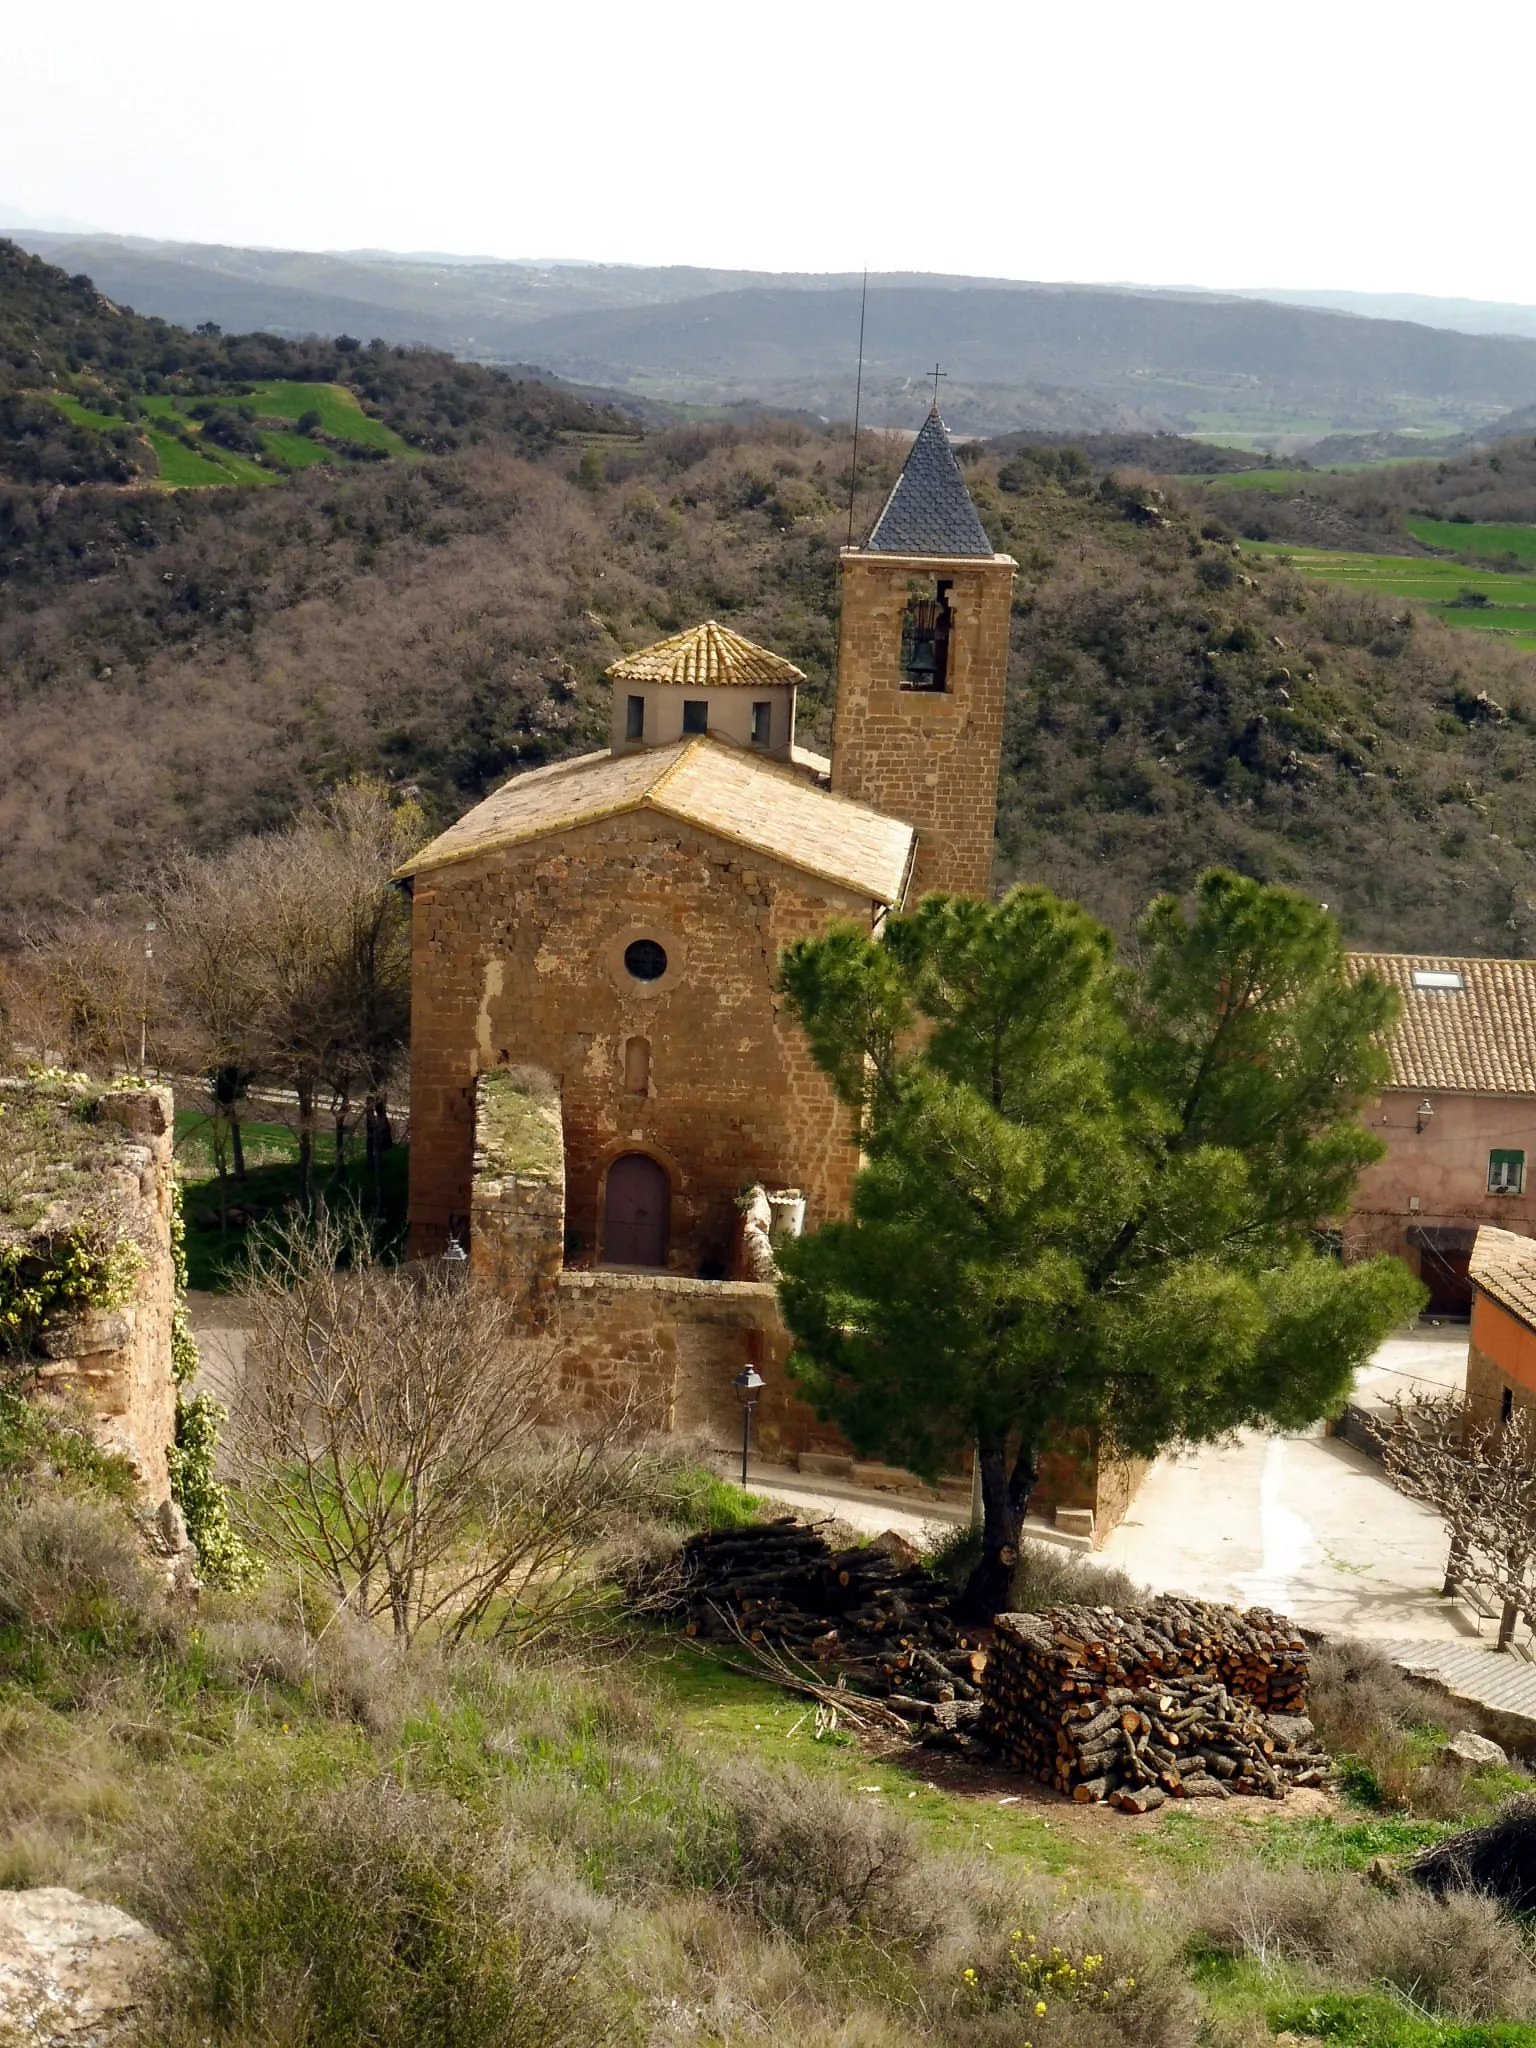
pixel 389 1435
pixel 1479 1476
pixel 812 1859
pixel 1458 1957
pixel 63 1560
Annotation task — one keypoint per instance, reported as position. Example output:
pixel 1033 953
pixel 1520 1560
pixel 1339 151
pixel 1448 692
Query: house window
pixel 1506 1173
pixel 696 714
pixel 1507 1405
pixel 762 724
pixel 925 626
pixel 634 724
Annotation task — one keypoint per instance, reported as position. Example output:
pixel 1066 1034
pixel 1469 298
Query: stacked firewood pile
pixel 1179 1698
pixel 871 1610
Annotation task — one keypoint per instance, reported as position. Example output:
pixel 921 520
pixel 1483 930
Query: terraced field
pixel 183 466
pixel 1486 600
pixel 1482 539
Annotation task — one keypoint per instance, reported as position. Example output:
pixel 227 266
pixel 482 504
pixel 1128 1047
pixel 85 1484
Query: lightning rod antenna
pixel 858 393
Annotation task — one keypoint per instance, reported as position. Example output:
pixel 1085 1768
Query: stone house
pixel 1458 1120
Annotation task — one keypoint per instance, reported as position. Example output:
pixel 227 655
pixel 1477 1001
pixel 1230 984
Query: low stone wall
pixel 119 1359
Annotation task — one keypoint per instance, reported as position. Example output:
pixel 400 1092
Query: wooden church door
pixel 636 1212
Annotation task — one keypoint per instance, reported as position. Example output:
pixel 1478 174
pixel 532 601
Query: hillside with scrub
pixel 90 392
pixel 183 668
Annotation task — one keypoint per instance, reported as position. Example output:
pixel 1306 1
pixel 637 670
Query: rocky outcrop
pixel 71 1969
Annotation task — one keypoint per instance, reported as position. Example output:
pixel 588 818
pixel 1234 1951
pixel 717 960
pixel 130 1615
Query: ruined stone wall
pixel 517 1201
pixel 519 961
pixel 929 757
pixel 119 1359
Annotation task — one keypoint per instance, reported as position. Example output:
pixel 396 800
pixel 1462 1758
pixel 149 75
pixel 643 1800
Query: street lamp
pixel 748 1383
pixel 455 1260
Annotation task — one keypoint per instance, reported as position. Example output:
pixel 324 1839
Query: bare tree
pixel 390 1435
pixel 93 989
pixel 289 956
pixel 1479 1477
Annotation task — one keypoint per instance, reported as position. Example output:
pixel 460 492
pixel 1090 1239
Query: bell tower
pixel 922 659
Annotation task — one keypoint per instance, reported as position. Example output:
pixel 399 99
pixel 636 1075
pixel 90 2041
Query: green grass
pixel 295 451
pixel 339 412
pixel 1485 541
pixel 83 416
pixel 271 1186
pixel 1372 2020
pixel 182 466
pixel 1438 585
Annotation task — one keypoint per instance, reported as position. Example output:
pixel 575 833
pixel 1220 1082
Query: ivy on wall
pixel 223 1556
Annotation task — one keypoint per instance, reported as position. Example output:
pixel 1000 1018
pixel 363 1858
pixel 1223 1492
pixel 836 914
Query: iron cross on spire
pixel 937 373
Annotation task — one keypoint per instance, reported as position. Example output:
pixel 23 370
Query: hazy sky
pixel 1348 144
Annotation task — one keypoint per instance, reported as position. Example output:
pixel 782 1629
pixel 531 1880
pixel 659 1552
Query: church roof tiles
pixel 700 781
pixel 708 657
pixel 929 512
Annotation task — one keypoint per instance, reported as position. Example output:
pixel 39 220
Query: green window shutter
pixel 1506 1173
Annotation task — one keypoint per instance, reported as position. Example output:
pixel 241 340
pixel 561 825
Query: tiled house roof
pixel 708 657
pixel 930 511
pixel 1476 1039
pixel 700 781
pixel 1504 1265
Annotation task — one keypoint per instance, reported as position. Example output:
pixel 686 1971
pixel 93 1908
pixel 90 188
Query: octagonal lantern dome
pixel 708 679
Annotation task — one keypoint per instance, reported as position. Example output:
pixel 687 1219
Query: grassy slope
pixel 130 1746
pixel 449 622
pixel 1509 605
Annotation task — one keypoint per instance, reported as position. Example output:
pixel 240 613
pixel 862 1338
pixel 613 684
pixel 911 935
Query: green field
pixel 1511 599
pixel 339 411
pixel 83 416
pixel 186 468
pixel 1486 541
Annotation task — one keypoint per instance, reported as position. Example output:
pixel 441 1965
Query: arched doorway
pixel 636 1212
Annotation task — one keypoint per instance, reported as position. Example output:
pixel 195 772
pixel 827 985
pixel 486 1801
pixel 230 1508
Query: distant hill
pixel 1037 357
pixel 178 669
pixel 92 392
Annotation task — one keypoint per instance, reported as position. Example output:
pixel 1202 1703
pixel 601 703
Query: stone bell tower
pixel 922 659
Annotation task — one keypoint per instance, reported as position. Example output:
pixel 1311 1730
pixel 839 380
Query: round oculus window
pixel 645 960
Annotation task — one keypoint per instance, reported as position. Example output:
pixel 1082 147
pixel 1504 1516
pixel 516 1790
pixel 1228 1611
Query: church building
pixel 612 1109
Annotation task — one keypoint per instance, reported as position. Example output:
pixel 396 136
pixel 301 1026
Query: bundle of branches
pixel 1180 1698
pixel 1479 1477
pixel 1497 1859
pixel 871 1610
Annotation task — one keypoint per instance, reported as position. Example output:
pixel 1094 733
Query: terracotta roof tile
pixel 763 804
pixel 1478 1039
pixel 1504 1265
pixel 707 657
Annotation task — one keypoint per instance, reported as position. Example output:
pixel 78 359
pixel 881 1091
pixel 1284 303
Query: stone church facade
pixel 612 1109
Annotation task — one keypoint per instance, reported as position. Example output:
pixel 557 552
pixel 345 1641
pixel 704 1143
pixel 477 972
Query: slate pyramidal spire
pixel 929 512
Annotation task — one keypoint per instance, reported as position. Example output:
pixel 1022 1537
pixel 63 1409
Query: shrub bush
pixel 1045 1576
pixel 337 1915
pixel 70 1567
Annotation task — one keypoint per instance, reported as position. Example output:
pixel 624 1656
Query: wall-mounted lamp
pixel 1426 1110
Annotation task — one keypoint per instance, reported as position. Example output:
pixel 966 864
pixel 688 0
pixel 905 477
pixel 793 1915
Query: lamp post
pixel 454 1262
pixel 748 1383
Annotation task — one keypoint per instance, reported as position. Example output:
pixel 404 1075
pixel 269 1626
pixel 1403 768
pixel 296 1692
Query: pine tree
pixel 1092 1189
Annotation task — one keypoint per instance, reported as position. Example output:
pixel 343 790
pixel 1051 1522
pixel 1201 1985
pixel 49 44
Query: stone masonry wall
pixel 929 757
pixel 518 961
pixel 517 1202
pixel 119 1360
